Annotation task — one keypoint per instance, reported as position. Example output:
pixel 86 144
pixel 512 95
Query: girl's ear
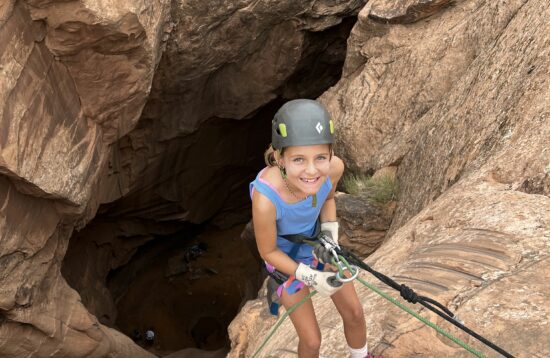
pixel 280 160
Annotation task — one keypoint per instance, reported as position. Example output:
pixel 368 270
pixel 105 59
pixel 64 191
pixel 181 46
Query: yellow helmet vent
pixel 282 129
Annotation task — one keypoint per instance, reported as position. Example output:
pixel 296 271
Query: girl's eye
pixel 322 157
pixel 298 160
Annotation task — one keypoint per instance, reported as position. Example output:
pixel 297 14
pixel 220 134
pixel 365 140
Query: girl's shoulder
pixel 336 169
pixel 265 203
pixel 272 175
pixel 272 182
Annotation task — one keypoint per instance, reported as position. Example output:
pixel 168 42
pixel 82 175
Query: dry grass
pixel 380 190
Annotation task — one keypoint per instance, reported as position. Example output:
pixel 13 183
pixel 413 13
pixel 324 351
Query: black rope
pixel 409 295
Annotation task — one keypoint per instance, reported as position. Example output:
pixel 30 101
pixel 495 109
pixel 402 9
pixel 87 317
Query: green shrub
pixel 379 190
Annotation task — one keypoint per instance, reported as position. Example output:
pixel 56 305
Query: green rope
pixel 381 293
pixel 422 319
pixel 409 311
pixel 280 321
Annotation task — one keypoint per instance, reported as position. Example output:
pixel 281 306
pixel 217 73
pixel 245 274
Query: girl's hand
pixel 323 282
pixel 329 231
pixel 330 228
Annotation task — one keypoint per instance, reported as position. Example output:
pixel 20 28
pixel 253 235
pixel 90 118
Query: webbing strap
pixel 301 238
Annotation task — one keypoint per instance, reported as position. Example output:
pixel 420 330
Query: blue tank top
pixel 295 218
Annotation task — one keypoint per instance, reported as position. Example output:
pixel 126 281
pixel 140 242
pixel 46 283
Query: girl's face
pixel 307 166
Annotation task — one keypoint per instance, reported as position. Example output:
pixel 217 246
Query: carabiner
pixel 336 258
pixel 354 273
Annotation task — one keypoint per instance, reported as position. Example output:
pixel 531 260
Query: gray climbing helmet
pixel 301 122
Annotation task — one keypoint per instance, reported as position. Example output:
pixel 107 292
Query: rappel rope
pixel 280 321
pixel 407 293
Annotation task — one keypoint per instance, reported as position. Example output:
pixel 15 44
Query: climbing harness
pixel 345 260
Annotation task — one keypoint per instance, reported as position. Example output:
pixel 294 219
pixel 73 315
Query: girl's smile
pixel 306 168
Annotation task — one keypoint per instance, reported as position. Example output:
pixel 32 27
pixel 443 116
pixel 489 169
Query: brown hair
pixel 272 155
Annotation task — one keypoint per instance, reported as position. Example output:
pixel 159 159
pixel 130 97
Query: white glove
pixel 318 280
pixel 332 227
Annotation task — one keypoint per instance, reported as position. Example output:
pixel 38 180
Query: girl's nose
pixel 311 168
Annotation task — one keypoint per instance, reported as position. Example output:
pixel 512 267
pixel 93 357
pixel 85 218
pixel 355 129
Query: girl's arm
pixel 264 215
pixel 328 211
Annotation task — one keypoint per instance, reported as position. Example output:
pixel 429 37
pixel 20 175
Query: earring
pixel 283 171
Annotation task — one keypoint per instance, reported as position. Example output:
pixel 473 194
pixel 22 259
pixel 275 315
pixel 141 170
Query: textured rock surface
pixel 405 11
pixel 212 74
pixel 398 73
pixel 363 226
pixel 41 119
pixel 480 249
pixel 460 101
pixel 75 77
pixel 364 223
pixel 34 298
pixel 52 150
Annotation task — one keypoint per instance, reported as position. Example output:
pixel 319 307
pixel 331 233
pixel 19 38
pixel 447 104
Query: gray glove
pixel 323 282
pixel 332 227
pixel 323 254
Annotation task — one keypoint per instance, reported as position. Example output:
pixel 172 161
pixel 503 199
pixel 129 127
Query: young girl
pixel 294 194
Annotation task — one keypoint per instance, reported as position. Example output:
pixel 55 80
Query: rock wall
pixel 455 94
pixel 53 136
pixel 363 225
pixel 76 77
pixel 214 93
pixel 153 102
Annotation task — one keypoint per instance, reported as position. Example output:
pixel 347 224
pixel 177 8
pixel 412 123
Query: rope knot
pixel 408 294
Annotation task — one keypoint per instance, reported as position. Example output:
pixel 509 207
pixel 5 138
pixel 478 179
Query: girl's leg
pixel 305 322
pixel 348 305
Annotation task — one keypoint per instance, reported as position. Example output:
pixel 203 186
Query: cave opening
pixel 167 255
pixel 185 287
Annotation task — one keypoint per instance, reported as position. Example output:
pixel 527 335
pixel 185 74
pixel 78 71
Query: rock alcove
pixel 165 254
